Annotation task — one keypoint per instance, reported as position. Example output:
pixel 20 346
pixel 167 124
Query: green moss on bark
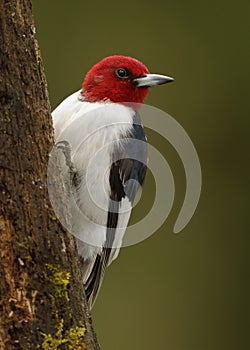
pixel 71 339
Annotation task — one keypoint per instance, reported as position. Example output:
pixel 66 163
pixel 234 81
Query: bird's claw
pixel 66 149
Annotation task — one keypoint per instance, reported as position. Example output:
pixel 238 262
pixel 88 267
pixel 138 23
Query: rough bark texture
pixel 42 302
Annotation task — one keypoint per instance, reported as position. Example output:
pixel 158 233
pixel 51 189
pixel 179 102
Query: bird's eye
pixel 122 73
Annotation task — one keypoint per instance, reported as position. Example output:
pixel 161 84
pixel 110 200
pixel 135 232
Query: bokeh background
pixel 188 291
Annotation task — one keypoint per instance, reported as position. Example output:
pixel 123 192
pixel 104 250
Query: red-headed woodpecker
pixel 108 150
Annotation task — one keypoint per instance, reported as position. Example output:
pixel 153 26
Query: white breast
pixel 92 130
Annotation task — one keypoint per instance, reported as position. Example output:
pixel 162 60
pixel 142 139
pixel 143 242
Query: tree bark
pixel 42 301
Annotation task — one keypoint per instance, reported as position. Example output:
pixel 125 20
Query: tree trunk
pixel 42 301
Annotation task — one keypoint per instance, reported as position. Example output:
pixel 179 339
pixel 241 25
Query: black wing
pixel 127 174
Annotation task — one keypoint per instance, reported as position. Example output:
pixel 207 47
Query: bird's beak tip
pixel 167 80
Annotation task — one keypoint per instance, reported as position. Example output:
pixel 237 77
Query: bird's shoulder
pixel 74 113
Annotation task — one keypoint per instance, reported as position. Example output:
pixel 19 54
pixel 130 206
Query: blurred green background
pixel 188 291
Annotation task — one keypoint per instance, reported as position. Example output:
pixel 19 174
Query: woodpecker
pixel 107 161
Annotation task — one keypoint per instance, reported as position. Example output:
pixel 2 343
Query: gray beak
pixel 148 80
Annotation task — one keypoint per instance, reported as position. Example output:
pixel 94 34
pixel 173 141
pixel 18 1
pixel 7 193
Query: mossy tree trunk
pixel 42 301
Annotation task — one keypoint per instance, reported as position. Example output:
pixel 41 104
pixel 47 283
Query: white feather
pixel 92 130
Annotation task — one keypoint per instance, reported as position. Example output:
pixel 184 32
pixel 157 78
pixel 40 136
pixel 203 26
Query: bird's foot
pixel 66 149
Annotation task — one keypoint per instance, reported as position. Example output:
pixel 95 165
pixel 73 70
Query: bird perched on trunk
pixel 104 143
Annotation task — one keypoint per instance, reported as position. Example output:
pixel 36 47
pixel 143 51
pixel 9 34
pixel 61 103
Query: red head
pixel 119 79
